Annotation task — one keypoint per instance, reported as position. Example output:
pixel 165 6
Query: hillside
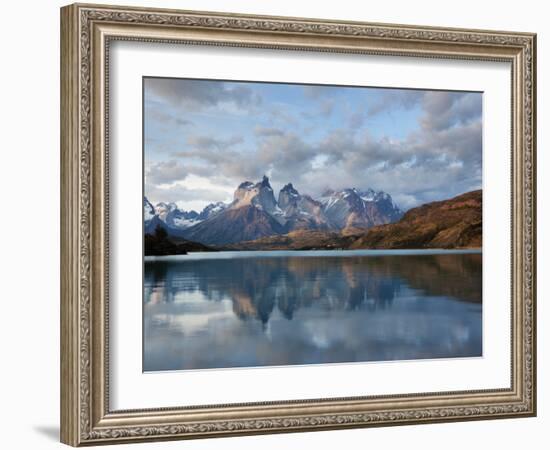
pixel 453 223
pixel 297 240
pixel 235 225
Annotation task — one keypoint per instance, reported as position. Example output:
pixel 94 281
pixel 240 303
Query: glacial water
pixel 249 309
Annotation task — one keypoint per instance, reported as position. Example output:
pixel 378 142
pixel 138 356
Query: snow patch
pixel 185 223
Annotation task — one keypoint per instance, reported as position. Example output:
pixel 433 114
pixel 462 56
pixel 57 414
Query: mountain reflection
pixel 220 311
pixel 257 287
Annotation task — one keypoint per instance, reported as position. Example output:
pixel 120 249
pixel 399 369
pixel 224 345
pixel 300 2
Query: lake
pixel 249 309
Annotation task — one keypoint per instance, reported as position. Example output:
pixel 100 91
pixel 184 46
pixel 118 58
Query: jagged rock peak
pixel 259 195
pixel 288 196
pixel 211 210
pixel 289 188
pixel 148 210
pixel 246 185
pixel 250 185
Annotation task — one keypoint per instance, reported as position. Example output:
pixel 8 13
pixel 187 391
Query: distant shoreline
pixel 310 253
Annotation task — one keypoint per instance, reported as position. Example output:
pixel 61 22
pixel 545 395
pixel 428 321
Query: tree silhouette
pixel 160 234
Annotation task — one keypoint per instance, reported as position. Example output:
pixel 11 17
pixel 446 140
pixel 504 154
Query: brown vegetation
pixel 453 223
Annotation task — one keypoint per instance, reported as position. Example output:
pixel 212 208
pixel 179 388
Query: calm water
pixel 238 309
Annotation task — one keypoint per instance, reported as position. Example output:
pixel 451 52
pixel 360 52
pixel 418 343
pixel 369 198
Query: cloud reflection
pixel 296 310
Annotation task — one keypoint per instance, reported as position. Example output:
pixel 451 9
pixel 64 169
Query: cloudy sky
pixel 204 137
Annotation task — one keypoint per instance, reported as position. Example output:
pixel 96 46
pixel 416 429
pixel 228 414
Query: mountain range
pixel 255 214
pixel 451 223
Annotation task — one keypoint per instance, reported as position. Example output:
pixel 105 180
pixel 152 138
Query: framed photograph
pixel 276 224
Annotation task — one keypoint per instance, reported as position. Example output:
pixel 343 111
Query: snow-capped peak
pixel 382 196
pixel 170 214
pixel 368 195
pixel 211 210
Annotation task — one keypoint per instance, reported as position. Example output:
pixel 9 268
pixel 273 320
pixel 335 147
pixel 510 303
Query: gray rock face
pixel 351 208
pixel 288 197
pixel 301 212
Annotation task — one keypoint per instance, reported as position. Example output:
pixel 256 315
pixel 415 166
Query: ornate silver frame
pixel 86 32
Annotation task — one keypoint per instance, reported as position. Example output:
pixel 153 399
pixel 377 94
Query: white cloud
pixel 440 158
